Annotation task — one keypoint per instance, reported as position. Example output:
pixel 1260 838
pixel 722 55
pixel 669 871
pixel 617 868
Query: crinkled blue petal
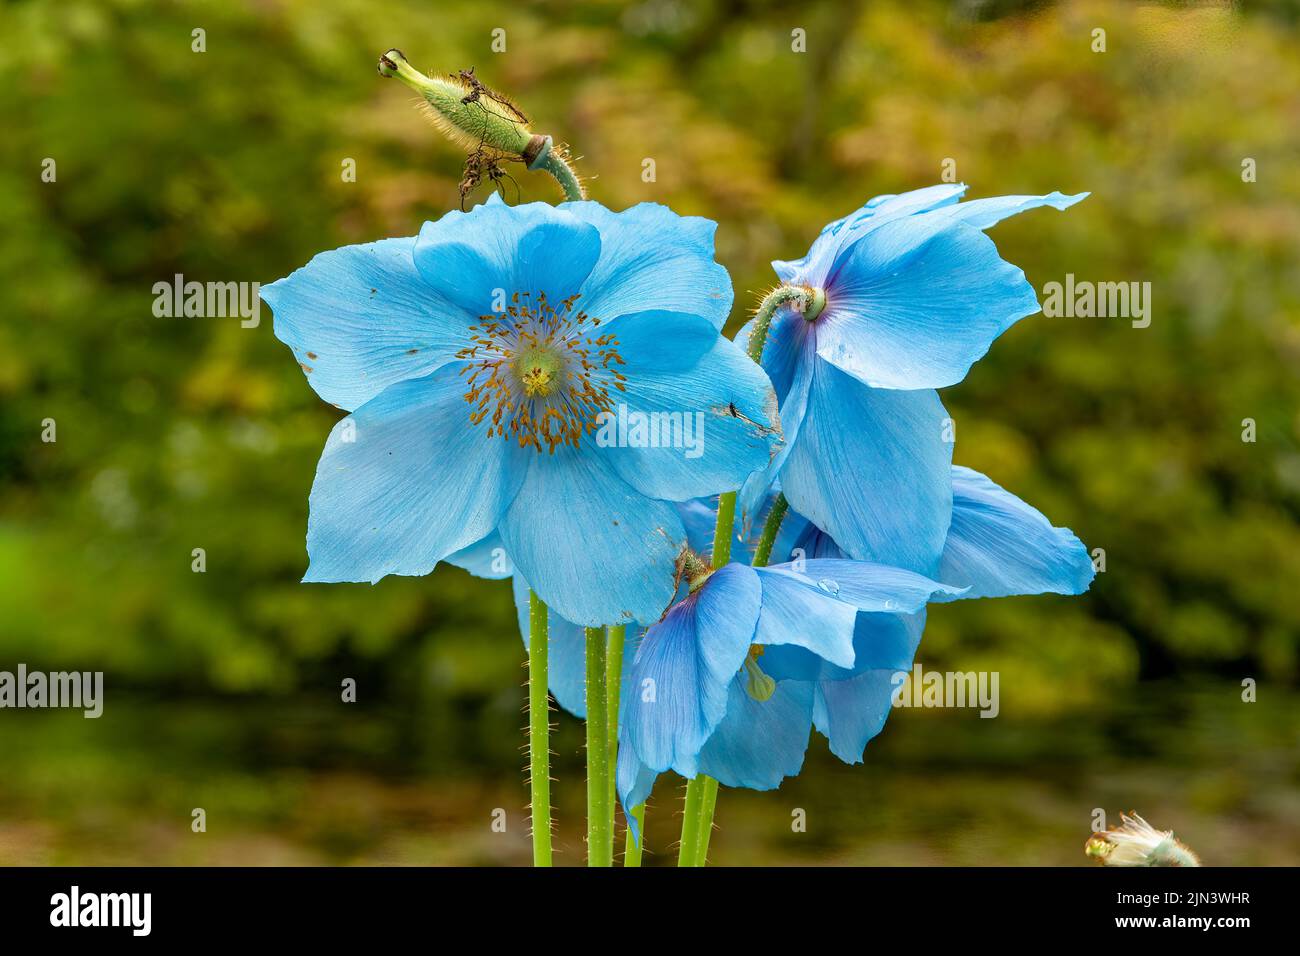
pixel 1000 546
pixel 987 213
pixel 871 467
pixel 653 259
pixel 760 743
pixel 677 694
pixel 360 318
pixel 481 259
pixel 596 550
pixel 486 558
pixel 794 349
pixel 404 482
pixel 814 267
pixel 916 301
pixel 688 422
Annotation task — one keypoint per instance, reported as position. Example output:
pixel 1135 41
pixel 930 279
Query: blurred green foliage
pixel 176 434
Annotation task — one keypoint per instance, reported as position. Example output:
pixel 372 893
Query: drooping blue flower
pixel 479 360
pixel 997 545
pixel 701 695
pixel 914 294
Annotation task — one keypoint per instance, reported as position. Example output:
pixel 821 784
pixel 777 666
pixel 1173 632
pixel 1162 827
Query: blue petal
pixel 798 538
pixel 760 743
pixel 566 653
pixel 652 258
pixel 796 611
pixel 360 318
pixel 405 481
pixel 851 707
pixel 813 268
pixel 700 518
pixel 484 559
pixel 678 690
pixel 482 258
pixel 789 353
pixel 862 585
pixel 1000 546
pixel 596 550
pixel 634 781
pixel 915 302
pixel 872 469
pixel 986 213
pixel 712 421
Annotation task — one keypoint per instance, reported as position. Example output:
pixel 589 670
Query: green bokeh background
pixel 172 434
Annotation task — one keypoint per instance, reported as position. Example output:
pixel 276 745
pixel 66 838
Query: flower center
pixel 539 374
pixel 540 370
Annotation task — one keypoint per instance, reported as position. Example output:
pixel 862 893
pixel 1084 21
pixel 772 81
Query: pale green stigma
pixel 540 371
pixel 758 685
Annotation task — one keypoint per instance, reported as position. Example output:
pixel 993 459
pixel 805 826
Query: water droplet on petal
pixel 829 586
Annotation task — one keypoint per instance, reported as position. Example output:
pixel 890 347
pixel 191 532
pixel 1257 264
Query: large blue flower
pixel 914 294
pixel 479 362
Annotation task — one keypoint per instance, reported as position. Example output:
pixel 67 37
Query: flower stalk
pixel 689 850
pixel 539 730
pixel 697 820
pixel 613 691
pixel 600 837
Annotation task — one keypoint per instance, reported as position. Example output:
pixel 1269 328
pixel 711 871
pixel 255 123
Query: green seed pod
pixel 463 109
pixel 478 118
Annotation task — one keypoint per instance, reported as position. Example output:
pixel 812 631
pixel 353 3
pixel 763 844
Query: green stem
pixel 613 689
pixel 763 550
pixel 707 805
pixel 632 849
pixel 689 851
pixel 539 730
pixel 723 530
pixel 600 843
pixel 563 174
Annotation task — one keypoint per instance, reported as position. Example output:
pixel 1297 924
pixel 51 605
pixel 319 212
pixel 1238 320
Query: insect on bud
pixel 463 109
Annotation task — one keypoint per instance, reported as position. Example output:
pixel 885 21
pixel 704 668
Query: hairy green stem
pixel 763 550
pixel 689 851
pixel 559 169
pixel 613 690
pixel 600 843
pixel 708 803
pixel 724 529
pixel 806 300
pixel 539 730
pixel 697 819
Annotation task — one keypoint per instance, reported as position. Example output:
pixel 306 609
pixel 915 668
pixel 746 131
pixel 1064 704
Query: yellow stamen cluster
pixel 540 375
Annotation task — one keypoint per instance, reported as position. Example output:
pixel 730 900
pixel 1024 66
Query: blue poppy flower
pixel 479 361
pixel 997 545
pixel 724 683
pixel 914 294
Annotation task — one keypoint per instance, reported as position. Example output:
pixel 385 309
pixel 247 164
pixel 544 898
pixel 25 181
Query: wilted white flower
pixel 1137 843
